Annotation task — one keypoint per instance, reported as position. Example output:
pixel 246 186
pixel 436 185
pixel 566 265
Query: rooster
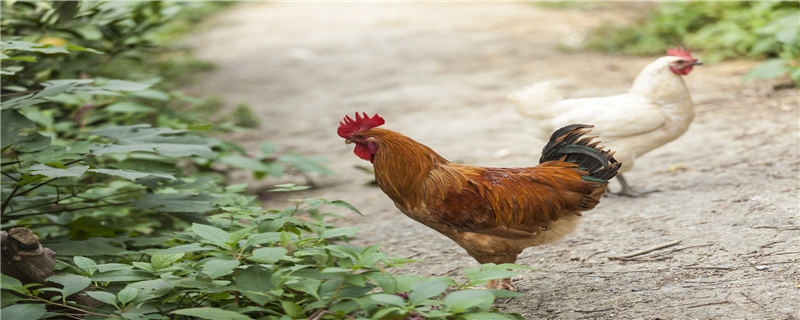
pixel 656 110
pixel 493 213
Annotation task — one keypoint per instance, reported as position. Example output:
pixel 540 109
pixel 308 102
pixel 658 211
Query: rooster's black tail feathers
pixel 568 144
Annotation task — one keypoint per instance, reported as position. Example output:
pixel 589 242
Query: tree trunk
pixel 25 259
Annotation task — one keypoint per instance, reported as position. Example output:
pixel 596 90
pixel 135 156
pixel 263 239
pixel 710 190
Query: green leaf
pixel 387 299
pixel 79 48
pixel 426 290
pixel 211 313
pixel 192 247
pixel 85 264
pixel 307 285
pixel 97 246
pixel 254 282
pixel 129 107
pixel 122 276
pixel 773 68
pixel 270 168
pixel 50 172
pixel 267 148
pixel 292 309
pixel 31 47
pixel 287 187
pixel 72 283
pixel 344 204
pixel 164 149
pixel 305 164
pixel 261 238
pixel 213 234
pixel 461 301
pixel 106 297
pixel 127 295
pixel 131 175
pixel 10 283
pixel 160 261
pixel 150 289
pixel 175 202
pixel 485 316
pixel 151 94
pixel 216 268
pixel 339 232
pixel 27 311
pixel 144 266
pixel 485 275
pixel 15 127
pixel 268 255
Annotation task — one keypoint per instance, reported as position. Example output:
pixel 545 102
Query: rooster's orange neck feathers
pixel 401 164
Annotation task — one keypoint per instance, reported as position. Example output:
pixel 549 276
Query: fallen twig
pixel 709 267
pixel 594 254
pixel 708 304
pixel 787 252
pixel 592 311
pixel 621 271
pixel 751 300
pixel 781 262
pixel 776 228
pixel 648 250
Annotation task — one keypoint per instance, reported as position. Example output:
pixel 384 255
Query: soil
pixel 439 73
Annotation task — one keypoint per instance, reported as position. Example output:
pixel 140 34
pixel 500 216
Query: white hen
pixel 657 109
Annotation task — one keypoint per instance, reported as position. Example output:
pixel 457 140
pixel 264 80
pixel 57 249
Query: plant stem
pixel 8 199
pixel 73 308
pixel 36 186
pixel 70 209
pixel 10 177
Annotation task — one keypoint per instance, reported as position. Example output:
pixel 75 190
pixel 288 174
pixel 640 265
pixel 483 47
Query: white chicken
pixel 656 110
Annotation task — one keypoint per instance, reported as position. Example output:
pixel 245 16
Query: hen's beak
pixel 697 63
pixel 348 141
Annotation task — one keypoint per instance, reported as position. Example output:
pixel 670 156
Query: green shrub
pixel 129 191
pixel 721 30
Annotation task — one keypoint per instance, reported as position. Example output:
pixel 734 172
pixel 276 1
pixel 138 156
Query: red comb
pixel 679 52
pixel 349 126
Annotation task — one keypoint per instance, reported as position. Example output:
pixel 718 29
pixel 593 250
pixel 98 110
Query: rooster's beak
pixel 348 141
pixel 697 63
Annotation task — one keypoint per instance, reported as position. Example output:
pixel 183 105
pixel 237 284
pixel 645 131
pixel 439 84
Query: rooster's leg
pixel 627 191
pixel 502 284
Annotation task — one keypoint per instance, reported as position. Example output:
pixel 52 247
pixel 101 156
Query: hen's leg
pixel 627 191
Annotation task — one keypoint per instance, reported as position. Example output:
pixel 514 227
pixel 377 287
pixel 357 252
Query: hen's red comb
pixel 349 126
pixel 679 52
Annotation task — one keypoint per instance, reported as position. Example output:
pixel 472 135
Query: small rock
pixel 759 268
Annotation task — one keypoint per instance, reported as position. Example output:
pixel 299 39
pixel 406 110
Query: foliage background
pixel 122 176
pixel 720 29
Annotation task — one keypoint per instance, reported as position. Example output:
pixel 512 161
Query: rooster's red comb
pixel 679 52
pixel 348 126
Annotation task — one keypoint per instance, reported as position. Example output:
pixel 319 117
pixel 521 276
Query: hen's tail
pixel 568 144
pixel 534 100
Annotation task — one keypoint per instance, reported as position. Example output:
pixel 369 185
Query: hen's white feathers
pixel 656 110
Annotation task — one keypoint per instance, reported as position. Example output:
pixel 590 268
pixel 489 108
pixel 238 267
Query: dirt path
pixel 439 73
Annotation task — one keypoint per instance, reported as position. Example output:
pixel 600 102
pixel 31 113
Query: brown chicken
pixel 493 213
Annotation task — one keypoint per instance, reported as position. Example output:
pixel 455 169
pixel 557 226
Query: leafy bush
pixel 721 29
pixel 130 194
pixel 279 264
